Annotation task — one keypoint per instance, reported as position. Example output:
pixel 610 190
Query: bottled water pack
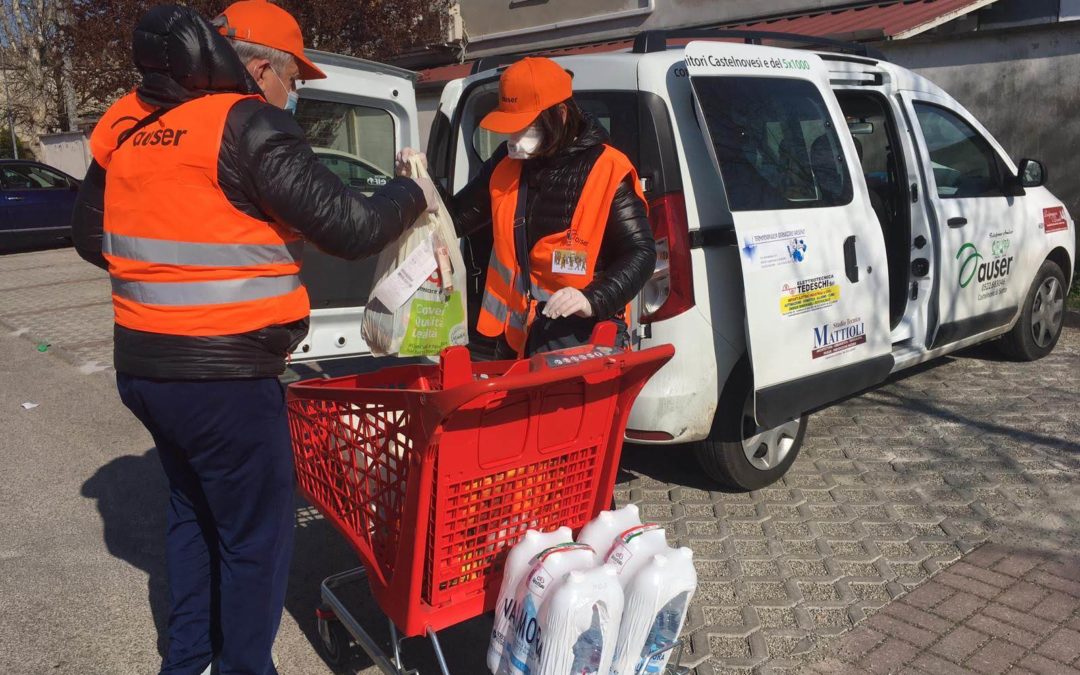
pixel 549 569
pixel 606 527
pixel 614 602
pixel 634 548
pixel 657 599
pixel 518 564
pixel 579 625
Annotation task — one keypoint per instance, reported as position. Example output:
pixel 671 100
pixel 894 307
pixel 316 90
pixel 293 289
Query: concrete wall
pixel 69 152
pixel 487 17
pixel 1022 84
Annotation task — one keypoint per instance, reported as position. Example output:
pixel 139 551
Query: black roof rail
pixel 652 41
pixel 497 61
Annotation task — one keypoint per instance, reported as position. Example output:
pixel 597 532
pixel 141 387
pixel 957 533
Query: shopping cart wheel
pixel 335 643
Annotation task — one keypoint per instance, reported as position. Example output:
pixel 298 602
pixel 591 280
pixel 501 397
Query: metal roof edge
pixel 943 19
pixel 344 61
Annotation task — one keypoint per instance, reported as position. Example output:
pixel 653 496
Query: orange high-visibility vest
pixel 557 261
pixel 121 116
pixel 183 259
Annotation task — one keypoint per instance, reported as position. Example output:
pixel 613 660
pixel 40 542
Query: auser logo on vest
pixel 158 137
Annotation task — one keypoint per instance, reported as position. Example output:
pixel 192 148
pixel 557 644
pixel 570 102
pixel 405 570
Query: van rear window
pixel 775 142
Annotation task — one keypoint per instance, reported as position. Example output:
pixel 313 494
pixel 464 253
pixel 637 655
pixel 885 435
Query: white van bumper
pixel 677 405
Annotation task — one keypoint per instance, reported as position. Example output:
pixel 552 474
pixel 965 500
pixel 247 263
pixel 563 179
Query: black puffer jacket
pixel 628 252
pixel 267 169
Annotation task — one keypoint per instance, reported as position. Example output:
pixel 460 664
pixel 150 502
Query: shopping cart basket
pixel 433 472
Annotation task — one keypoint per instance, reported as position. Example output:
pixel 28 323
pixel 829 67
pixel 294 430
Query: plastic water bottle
pixel 517 566
pixel 602 531
pixel 579 625
pixel 657 600
pixel 548 570
pixel 634 548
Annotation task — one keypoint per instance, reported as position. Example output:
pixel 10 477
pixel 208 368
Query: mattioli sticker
pixel 838 338
pixel 1054 220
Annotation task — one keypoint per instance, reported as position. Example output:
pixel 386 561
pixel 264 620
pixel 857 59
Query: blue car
pixel 36 202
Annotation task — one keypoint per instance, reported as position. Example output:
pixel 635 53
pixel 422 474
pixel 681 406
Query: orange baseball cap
pixel 264 23
pixel 526 89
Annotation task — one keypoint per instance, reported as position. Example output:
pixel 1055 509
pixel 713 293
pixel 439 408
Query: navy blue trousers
pixel 226 451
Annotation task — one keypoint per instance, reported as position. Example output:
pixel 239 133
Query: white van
pixel 824 219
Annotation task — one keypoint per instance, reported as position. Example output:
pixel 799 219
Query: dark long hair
pixel 560 135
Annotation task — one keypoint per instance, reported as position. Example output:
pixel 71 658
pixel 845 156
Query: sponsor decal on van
pixel 838 337
pixel 990 274
pixel 773 249
pixel 775 63
pixel 809 295
pixel 1054 220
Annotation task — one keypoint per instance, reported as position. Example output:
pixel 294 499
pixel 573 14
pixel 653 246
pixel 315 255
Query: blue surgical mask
pixel 292 98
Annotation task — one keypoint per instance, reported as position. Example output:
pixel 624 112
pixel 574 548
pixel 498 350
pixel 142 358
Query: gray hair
pixel 249 51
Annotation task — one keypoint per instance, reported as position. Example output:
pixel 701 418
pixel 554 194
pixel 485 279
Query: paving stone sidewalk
pixel 1002 609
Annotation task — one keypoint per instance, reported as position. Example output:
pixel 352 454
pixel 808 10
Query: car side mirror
pixel 1032 173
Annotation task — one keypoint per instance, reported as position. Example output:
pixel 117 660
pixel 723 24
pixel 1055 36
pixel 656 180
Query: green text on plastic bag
pixel 430 325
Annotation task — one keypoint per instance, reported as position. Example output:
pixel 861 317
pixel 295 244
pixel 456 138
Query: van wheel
pixel 1037 332
pixel 740 455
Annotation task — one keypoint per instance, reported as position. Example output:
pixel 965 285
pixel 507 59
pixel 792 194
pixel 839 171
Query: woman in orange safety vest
pixel 571 242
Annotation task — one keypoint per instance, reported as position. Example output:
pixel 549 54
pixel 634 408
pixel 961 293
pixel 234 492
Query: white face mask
pixel 524 144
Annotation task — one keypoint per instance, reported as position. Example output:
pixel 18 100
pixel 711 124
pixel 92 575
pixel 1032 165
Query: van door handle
pixel 14 199
pixel 851 262
pixel 957 222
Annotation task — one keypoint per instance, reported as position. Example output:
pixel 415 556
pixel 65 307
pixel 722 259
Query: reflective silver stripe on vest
pixel 517 321
pixel 495 307
pixel 166 252
pixel 194 293
pixel 504 272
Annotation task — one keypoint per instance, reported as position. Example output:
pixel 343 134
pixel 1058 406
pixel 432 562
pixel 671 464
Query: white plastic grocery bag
pixel 417 306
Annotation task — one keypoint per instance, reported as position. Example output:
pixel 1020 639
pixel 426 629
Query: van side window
pixel 964 163
pixel 775 142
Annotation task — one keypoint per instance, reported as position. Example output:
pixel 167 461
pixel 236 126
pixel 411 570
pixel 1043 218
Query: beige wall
pixel 68 152
pixel 1022 84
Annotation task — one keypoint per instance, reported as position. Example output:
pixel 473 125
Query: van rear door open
pixel 356 119
pixel 814 270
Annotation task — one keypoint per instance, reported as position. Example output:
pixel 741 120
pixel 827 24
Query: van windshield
pixel 775 142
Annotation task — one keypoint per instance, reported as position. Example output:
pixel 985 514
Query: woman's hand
pixel 401 161
pixel 568 302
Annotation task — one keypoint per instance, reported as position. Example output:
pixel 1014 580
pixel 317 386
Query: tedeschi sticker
pixel 809 295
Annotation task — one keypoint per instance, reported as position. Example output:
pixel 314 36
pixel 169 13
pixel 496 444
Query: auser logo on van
pixel 839 337
pixel 992 275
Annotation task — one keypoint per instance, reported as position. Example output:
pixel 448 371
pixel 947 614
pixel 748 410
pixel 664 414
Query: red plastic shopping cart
pixel 433 472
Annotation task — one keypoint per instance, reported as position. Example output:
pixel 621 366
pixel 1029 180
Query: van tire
pixel 1021 343
pixel 723 454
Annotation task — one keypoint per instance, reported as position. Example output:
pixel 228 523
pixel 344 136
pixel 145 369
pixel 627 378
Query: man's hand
pixel 568 302
pixel 401 161
pixel 431 195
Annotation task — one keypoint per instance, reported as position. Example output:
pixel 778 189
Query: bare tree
pixel 100 35
pixel 39 84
